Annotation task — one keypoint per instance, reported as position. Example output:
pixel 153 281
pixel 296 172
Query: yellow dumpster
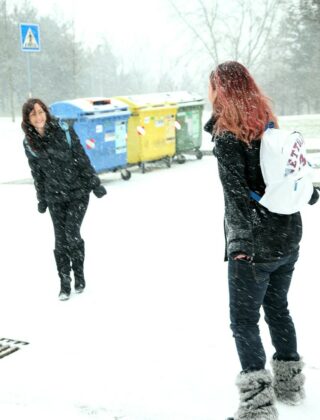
pixel 151 129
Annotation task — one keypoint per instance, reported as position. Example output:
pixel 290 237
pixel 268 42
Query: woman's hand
pixel 99 191
pixel 42 206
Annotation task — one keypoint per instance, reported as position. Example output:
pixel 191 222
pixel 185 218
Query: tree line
pixel 276 39
pixel 292 61
pixel 65 68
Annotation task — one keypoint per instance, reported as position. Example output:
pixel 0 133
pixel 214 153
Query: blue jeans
pixel 252 285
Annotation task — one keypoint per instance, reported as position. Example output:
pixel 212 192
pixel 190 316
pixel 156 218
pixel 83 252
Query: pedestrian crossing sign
pixel 30 37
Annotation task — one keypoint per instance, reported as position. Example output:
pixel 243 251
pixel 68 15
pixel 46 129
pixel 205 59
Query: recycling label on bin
pixel 170 128
pixel 141 130
pixel 109 136
pixel 121 137
pixel 177 125
pixel 90 143
pixel 193 124
pixel 159 122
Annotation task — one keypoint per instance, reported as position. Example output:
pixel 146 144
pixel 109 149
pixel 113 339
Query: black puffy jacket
pixel 250 228
pixel 61 172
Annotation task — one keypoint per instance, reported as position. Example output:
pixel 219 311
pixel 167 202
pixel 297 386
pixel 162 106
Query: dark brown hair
pixel 28 129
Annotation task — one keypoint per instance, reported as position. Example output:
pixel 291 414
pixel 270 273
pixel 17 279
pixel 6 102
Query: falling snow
pixel 149 339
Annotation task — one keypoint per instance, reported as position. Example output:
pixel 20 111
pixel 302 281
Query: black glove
pixel 95 181
pixel 42 206
pixel 99 191
pixel 315 196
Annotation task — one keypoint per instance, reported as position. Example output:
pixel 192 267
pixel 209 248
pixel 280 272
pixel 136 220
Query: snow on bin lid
pixel 161 99
pixel 75 108
pixel 182 96
pixel 145 100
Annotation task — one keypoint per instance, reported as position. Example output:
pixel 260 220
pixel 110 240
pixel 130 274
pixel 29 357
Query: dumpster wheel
pixel 142 166
pixel 168 161
pixel 181 159
pixel 125 174
pixel 199 154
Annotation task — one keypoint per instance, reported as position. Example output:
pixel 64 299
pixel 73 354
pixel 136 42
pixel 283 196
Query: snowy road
pixel 149 339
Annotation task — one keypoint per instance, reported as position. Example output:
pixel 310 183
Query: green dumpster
pixel 188 122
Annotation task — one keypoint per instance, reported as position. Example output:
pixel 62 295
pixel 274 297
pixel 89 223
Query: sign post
pixel 30 42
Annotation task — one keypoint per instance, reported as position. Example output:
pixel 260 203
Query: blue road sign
pixel 30 37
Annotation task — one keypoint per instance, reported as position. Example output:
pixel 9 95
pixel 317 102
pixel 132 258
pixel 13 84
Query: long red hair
pixel 239 105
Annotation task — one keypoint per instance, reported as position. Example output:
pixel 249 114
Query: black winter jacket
pixel 61 172
pixel 250 228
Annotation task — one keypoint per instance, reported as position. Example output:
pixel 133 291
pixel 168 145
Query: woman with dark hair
pixel 63 178
pixel 261 247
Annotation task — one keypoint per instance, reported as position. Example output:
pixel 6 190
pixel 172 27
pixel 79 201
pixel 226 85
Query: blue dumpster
pixel 101 124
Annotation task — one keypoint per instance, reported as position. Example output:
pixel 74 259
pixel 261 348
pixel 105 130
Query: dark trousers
pixel 252 285
pixel 67 218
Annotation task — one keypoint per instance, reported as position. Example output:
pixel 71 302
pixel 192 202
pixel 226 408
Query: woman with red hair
pixel 261 247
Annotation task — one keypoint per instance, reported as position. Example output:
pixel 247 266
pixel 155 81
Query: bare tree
pixel 202 24
pixel 7 62
pixel 239 32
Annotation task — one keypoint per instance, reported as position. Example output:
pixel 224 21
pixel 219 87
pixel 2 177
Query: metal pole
pixel 29 75
pixel 8 59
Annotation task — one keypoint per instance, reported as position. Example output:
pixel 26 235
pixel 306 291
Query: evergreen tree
pixel 291 66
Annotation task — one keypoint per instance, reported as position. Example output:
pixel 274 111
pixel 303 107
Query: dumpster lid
pixel 162 99
pixel 145 100
pixel 75 108
pixel 182 96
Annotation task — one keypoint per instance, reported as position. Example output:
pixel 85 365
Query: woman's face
pixel 212 93
pixel 38 118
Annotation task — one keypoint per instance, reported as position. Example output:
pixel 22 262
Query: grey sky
pixel 139 31
pixel 125 22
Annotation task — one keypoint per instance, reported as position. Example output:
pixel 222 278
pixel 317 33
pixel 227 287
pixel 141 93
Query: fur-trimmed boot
pixel 256 396
pixel 77 258
pixel 63 267
pixel 288 381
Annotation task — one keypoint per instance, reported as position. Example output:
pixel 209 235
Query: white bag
pixel 286 171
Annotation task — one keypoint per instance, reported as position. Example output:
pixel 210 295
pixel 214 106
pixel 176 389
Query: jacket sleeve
pixel 37 175
pixel 84 161
pixel 232 172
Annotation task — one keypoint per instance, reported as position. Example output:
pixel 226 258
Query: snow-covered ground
pixel 149 339
pixel 309 125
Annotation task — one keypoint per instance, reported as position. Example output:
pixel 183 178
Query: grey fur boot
pixel 288 381
pixel 256 396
